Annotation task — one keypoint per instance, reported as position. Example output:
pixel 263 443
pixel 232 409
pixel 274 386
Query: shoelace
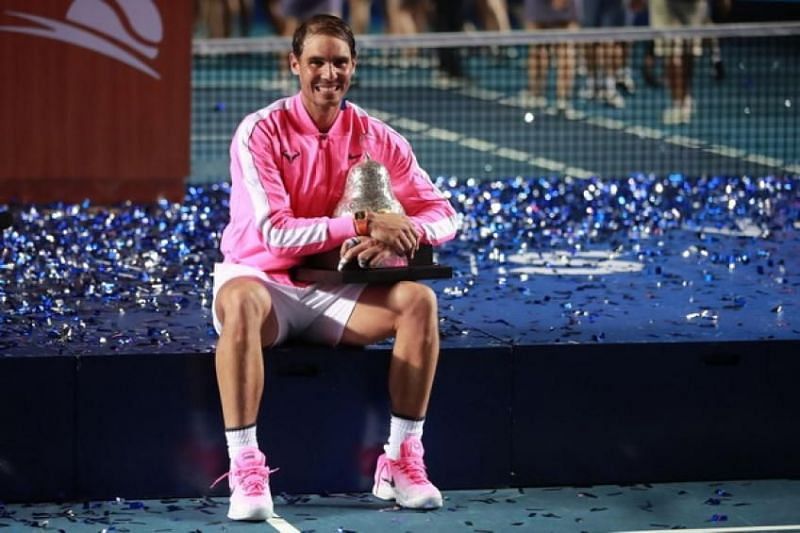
pixel 414 469
pixel 253 479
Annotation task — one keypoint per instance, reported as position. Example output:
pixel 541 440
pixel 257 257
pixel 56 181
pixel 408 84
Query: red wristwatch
pixel 362 223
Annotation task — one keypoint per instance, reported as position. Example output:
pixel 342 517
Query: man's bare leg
pixel 407 311
pixel 244 307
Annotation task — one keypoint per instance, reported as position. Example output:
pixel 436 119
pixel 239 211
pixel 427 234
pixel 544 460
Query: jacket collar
pixel 307 126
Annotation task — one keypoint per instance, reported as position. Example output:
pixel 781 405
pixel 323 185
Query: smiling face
pixel 324 68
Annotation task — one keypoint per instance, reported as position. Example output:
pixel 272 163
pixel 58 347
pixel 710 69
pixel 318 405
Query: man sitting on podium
pixel 289 162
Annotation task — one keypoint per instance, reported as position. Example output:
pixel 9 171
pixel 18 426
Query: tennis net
pixel 581 103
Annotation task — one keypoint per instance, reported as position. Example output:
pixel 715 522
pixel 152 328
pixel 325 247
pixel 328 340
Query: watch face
pixel 360 215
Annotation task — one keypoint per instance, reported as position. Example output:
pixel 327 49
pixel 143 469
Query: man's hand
pixel 395 231
pixel 369 252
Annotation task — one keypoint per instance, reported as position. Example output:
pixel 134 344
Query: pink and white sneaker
pixel 405 480
pixel 249 483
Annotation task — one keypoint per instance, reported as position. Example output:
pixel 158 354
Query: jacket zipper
pixel 322 159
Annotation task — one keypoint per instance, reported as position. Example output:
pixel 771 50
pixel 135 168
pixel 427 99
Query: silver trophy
pixel 369 188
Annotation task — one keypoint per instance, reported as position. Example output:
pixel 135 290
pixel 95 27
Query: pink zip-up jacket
pixel 287 178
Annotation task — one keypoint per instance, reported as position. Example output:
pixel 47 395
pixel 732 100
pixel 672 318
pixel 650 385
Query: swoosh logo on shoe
pixel 389 481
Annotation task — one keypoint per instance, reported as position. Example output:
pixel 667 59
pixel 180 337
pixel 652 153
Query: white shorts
pixel 318 312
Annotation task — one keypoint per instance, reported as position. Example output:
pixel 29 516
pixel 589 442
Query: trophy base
pixel 322 268
pixel 373 275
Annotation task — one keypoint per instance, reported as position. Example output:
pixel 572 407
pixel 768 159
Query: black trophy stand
pixel 322 268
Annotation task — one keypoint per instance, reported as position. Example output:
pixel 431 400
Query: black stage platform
pixel 654 343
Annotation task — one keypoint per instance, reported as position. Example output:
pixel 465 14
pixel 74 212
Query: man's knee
pixel 417 299
pixel 243 302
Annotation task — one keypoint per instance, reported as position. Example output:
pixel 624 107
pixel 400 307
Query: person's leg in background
pixel 613 16
pixel 538 64
pixel 242 12
pixel 663 15
pixel 591 52
pixel 295 11
pixel 640 14
pixel 541 14
pixel 360 15
pixel 494 14
pixel 399 18
pixel 448 16
pixel 216 17
pixel 274 14
pixel 718 11
pixel 693 13
pixel 565 61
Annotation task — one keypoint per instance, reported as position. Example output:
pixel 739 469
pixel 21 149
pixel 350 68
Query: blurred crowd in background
pixel 242 18
pixel 603 69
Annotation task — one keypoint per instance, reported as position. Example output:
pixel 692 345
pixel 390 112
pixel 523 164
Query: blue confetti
pixel 68 268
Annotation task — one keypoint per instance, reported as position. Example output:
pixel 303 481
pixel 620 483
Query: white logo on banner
pixel 116 28
pixel 561 263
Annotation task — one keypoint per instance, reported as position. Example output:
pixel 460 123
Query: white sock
pixel 399 430
pixel 240 438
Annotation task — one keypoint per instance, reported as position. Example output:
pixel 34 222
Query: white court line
pixel 549 164
pixel 281 525
pixel 482 94
pixel 511 153
pixel 725 150
pixel 645 133
pixel 410 124
pixel 443 135
pixel 577 172
pixel 794 169
pixel 719 529
pixel 608 123
pixel 518 100
pixel 380 115
pixel 524 101
pixel 764 160
pixel 480 145
pixel 682 140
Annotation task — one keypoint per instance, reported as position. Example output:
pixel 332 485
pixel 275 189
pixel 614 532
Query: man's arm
pixel 263 198
pixel 434 219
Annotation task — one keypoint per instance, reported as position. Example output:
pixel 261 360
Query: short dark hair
pixel 329 25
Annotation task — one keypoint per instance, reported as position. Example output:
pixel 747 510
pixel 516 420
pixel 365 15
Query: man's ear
pixel 294 63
